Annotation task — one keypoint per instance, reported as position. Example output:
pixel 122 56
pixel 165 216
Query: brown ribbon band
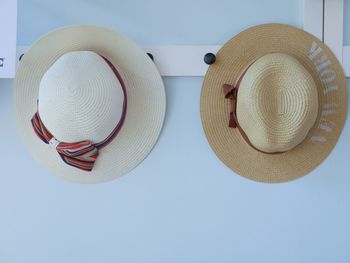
pixel 230 92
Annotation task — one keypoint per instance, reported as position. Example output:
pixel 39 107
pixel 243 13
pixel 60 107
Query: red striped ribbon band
pixel 83 154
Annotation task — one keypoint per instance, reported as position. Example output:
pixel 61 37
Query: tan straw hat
pixel 89 103
pixel 274 103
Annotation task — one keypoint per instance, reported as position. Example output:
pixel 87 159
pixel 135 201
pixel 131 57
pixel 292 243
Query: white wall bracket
pixel 8 34
pixel 325 19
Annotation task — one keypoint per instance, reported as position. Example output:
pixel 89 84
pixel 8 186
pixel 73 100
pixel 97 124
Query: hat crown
pixel 277 103
pixel 80 98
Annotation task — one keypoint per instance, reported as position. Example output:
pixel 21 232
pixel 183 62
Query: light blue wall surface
pixel 181 204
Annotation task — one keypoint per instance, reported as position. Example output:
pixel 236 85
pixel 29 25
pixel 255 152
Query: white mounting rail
pixel 171 61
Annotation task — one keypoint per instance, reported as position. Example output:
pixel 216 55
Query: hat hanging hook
pixel 150 56
pixel 209 58
pixel 20 57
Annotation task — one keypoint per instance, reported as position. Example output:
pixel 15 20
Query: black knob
pixel 209 58
pixel 151 56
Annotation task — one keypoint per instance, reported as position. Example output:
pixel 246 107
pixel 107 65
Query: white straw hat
pixel 274 103
pixel 89 103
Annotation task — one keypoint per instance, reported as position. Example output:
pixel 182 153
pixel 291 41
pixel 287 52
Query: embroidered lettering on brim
pixel 328 77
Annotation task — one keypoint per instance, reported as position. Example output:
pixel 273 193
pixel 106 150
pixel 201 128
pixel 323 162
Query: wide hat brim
pixel 146 100
pixel 231 61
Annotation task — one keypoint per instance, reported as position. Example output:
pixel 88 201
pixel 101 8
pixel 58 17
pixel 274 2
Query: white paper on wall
pixel 8 34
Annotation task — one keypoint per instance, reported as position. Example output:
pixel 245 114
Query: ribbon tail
pixel 82 158
pixel 230 93
pixel 232 123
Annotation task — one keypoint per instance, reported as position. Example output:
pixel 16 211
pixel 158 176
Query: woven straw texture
pixel 277 103
pixel 146 100
pixel 327 74
pixel 80 98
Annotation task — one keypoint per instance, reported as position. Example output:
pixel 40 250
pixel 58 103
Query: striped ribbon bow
pixel 83 154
